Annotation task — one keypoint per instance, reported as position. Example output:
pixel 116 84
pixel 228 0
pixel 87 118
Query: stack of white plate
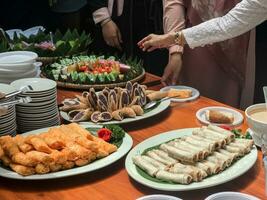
pixel 18 64
pixel 8 121
pixel 42 111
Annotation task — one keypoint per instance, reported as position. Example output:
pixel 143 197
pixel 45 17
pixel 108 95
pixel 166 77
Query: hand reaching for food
pixel 111 34
pixel 172 70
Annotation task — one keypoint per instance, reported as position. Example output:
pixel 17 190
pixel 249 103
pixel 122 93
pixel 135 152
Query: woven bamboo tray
pixel 96 86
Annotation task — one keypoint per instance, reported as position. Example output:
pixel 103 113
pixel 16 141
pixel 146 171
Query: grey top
pixel 68 6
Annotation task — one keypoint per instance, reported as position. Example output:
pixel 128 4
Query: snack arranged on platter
pixel 220 117
pixel 208 151
pixel 179 93
pixel 59 148
pixel 110 104
pixel 92 69
pixel 47 45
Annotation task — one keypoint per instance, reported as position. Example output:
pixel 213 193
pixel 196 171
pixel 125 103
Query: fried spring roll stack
pixel 60 148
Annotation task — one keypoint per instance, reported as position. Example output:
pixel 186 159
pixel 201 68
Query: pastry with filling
pixel 220 117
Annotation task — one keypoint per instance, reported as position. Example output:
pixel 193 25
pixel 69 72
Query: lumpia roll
pixel 243 147
pixel 23 159
pixel 180 146
pixel 68 165
pixel 9 146
pixel 206 168
pixel 217 134
pixel 208 146
pixel 179 154
pixel 215 160
pixel 247 142
pixel 157 95
pixel 179 168
pixel 81 162
pixel 223 157
pixel 39 157
pixel 233 149
pixel 24 147
pixel 39 144
pixel 205 152
pixel 177 178
pixel 210 136
pixel 216 144
pixel 222 131
pixel 155 163
pixel 215 168
pixel 146 166
pixel 42 169
pixel 54 167
pixel 22 170
pixel 162 157
pixel 227 153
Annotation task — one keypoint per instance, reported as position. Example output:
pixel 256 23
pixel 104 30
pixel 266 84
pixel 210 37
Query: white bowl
pixel 17 57
pixel 231 196
pixel 158 197
pixel 20 67
pixel 38 84
pixel 258 127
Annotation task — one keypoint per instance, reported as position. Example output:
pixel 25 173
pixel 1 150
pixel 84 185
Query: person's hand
pixel 153 41
pixel 172 70
pixel 112 34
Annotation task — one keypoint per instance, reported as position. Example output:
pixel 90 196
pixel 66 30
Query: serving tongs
pixel 22 90
pixel 17 101
pixel 152 104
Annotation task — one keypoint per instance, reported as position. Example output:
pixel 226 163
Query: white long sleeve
pixel 243 17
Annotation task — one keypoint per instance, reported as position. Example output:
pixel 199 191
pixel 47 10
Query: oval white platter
pixel 234 171
pixel 201 115
pixel 98 164
pixel 161 107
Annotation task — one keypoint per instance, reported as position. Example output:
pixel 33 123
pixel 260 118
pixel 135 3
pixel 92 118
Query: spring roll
pixel 163 159
pixel 215 160
pixel 39 157
pixel 205 153
pixel 198 153
pixel 179 154
pixel 247 142
pixel 215 168
pixel 24 147
pixel 217 134
pixel 23 159
pixel 54 167
pixel 200 143
pixel 206 168
pixel 222 131
pixel 68 165
pixel 157 95
pixel 155 163
pixel 146 166
pixel 210 136
pixel 177 178
pixel 233 149
pixel 223 157
pixel 165 155
pixel 241 146
pixel 42 169
pixel 234 156
pixel 206 140
pixel 39 144
pixel 179 168
pixel 22 170
pixel 81 162
pixel 9 146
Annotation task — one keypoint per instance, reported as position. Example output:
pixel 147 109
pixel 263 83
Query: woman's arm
pixel 243 17
pixel 99 9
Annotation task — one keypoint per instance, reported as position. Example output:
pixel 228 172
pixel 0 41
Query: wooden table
pixel 113 182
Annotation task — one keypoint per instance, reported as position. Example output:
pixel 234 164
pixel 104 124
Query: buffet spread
pixel 109 94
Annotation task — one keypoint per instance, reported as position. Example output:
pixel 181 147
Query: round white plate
pixel 201 115
pixel 13 57
pixel 195 93
pixel 6 88
pixel 158 197
pixel 98 164
pixel 38 84
pixel 231 195
pixel 235 170
pixel 161 107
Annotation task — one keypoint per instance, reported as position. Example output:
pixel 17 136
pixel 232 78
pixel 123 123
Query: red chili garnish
pixel 83 68
pixel 225 127
pixel 104 134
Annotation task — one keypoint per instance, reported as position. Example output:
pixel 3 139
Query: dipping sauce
pixel 261 115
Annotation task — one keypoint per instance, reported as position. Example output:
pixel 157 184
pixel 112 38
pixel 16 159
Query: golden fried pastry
pixel 181 93
pixel 22 170
pixel 39 144
pixel 24 147
pixel 81 162
pixel 216 116
pixel 42 169
pixel 23 159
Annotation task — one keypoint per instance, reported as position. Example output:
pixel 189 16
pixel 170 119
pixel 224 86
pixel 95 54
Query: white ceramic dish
pixel 234 171
pixel 36 111
pixel 161 107
pixel 195 93
pixel 6 88
pixel 201 115
pixel 98 164
pixel 38 84
pixel 231 196
pixel 17 57
pixel 21 67
pixel 158 197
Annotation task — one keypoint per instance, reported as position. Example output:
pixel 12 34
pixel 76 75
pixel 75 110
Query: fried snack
pixel 181 94
pixel 39 144
pixel 24 147
pixel 157 95
pixel 220 117
pixel 22 170
pixel 60 148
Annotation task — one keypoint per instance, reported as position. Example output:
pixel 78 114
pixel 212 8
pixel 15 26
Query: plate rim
pixel 167 136
pixel 122 151
pixel 234 124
